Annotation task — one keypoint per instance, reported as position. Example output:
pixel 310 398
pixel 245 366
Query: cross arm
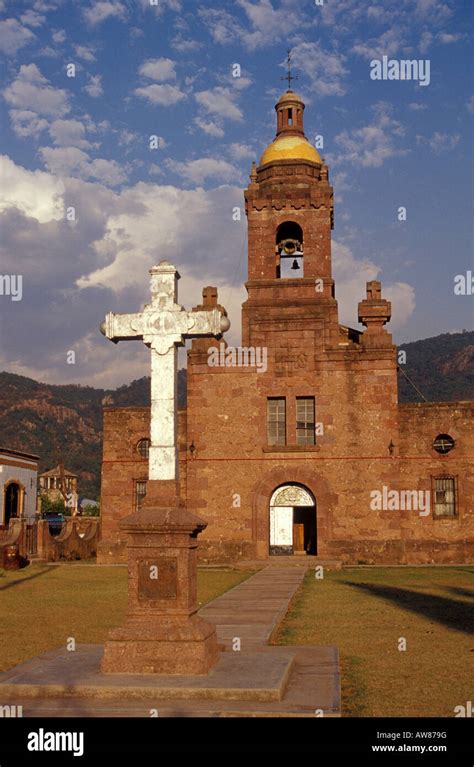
pixel 206 323
pixel 122 327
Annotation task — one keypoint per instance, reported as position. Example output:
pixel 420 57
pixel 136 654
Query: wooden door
pixel 298 537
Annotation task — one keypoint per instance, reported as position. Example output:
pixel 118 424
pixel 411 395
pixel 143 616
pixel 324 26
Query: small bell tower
pixel 289 207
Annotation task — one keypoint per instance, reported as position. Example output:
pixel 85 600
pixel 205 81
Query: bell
pixel 295 264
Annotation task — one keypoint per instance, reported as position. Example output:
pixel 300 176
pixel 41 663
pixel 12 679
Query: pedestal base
pixel 188 647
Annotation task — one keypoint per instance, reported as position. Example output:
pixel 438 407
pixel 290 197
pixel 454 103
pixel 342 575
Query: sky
pixel 88 203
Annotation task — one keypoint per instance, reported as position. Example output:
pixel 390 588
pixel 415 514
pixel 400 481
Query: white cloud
pixel 104 9
pixel 434 11
pixel 470 104
pixel 219 101
pixel 210 127
pixel 190 224
pixel 164 95
pixel 197 171
pixel 32 19
pixel 388 44
pixel 49 52
pixel 440 142
pixel 71 161
pixel 69 133
pixel 402 297
pixel 35 193
pixel 222 26
pixel 44 6
pixel 351 275
pixel 241 152
pixel 372 145
pixel 84 52
pixel 417 107
pixel 158 69
pixel 183 45
pixel 31 91
pixel 26 123
pixel 426 41
pixel 59 36
pixel 268 25
pixel 14 36
pixel 126 138
pixel 94 87
pixel 447 38
pixel 325 70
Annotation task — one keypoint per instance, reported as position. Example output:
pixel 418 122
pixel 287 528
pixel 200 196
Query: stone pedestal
pixel 162 632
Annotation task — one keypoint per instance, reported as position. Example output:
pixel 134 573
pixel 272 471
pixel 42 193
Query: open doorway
pixel 293 528
pixel 304 531
pixel 12 502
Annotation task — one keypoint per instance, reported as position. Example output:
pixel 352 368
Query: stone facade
pixel 364 442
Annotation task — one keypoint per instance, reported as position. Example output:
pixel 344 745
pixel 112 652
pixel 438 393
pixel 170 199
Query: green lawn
pixel 42 605
pixel 365 611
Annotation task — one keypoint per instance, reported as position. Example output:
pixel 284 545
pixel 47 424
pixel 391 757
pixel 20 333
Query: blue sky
pixel 167 70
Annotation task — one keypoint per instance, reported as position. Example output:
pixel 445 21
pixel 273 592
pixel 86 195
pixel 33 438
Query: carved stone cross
pixel 163 326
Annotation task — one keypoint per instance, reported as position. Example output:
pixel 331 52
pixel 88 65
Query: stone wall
pixel 122 467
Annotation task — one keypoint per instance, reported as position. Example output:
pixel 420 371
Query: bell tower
pixel 289 207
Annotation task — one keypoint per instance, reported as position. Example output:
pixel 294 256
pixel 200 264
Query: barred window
pixel 444 501
pixel 276 421
pixel 140 493
pixel 143 448
pixel 305 425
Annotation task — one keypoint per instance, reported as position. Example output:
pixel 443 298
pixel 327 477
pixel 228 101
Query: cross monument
pixel 162 633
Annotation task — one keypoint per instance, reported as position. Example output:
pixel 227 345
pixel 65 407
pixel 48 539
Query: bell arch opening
pixel 289 250
pixel 293 528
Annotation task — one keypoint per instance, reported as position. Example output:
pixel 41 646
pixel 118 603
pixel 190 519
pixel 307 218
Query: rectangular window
pixel 305 425
pixel 276 421
pixel 444 497
pixel 140 493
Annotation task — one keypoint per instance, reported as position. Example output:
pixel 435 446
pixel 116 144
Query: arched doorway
pixel 293 521
pixel 12 502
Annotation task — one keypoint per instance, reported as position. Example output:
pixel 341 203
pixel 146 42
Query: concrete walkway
pixel 252 610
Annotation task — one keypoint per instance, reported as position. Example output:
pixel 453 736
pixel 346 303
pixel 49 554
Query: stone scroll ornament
pixel 163 325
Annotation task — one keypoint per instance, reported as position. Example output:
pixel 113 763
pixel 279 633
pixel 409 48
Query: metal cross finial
pixel 289 76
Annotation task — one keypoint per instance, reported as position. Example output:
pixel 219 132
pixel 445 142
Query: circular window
pixel 143 447
pixel 443 444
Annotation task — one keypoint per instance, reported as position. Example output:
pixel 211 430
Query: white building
pixel 18 478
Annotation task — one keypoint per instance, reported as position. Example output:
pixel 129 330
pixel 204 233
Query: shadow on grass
pixel 11 584
pixel 462 592
pixel 450 612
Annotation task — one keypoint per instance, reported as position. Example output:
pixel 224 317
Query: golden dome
pixel 287 97
pixel 290 148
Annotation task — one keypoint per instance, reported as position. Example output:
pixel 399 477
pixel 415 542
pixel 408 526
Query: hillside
pixel 66 421
pixel 442 368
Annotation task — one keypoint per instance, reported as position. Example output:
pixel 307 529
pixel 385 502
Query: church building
pixel 295 444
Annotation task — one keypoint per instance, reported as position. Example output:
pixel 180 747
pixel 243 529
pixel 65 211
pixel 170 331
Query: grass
pixel 365 611
pixel 42 605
